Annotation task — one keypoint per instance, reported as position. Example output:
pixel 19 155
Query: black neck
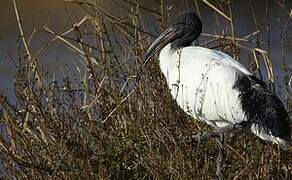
pixel 188 28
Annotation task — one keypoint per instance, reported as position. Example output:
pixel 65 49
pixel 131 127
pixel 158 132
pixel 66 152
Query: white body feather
pixel 201 81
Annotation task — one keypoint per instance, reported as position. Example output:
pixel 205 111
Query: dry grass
pixel 92 128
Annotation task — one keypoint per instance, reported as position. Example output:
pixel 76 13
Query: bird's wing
pixel 227 60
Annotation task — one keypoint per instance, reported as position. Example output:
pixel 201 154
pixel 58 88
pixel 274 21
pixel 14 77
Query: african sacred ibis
pixel 215 88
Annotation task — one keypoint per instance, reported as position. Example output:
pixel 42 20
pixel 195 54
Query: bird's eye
pixel 189 22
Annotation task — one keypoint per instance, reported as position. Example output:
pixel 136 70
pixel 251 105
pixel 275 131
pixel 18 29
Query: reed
pixel 97 125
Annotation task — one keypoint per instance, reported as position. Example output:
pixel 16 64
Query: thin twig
pixel 144 8
pixel 19 23
pixel 217 10
pixel 120 103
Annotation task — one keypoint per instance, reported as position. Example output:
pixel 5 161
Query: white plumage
pixel 201 81
pixel 213 87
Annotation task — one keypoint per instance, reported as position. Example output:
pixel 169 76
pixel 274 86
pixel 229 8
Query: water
pixel 35 13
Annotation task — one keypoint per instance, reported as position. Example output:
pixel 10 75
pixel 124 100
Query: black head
pixel 188 27
pixel 181 33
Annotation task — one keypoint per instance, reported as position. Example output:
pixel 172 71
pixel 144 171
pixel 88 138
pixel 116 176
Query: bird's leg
pixel 216 133
pixel 220 142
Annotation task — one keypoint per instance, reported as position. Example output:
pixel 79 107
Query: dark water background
pixel 60 16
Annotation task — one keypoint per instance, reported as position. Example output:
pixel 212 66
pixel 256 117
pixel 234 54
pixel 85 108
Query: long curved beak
pixel 165 38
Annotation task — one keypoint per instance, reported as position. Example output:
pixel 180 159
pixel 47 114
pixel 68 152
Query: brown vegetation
pixel 98 127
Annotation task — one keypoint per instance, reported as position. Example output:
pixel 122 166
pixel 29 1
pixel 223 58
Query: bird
pixel 213 87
